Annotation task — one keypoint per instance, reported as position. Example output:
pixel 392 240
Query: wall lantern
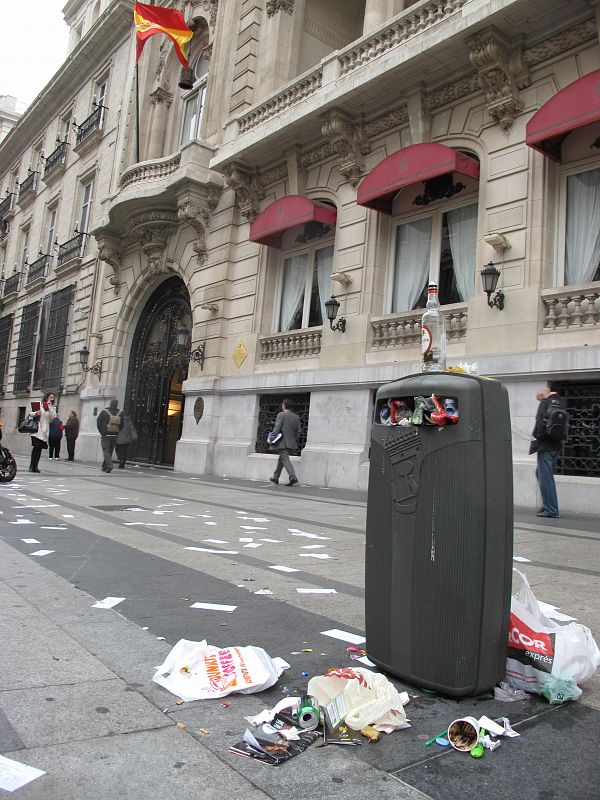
pixel 489 278
pixel 197 355
pixel 84 355
pixel 332 306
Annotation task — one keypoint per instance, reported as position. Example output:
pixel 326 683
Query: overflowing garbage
pixel 433 410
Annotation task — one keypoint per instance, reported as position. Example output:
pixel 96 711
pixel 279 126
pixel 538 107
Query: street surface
pixel 76 693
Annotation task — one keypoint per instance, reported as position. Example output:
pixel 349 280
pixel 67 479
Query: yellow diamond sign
pixel 240 354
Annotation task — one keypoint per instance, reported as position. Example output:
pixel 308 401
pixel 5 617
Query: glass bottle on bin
pixel 433 333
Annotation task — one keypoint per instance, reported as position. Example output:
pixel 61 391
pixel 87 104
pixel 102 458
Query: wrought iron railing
pixel 404 329
pixel 580 452
pixel 89 125
pixel 56 157
pixel 38 269
pixel 292 344
pixel 71 249
pixel 12 284
pixel 6 205
pixel 28 185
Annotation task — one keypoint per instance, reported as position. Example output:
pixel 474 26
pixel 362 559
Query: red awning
pixel 576 105
pixel 285 213
pixel 412 164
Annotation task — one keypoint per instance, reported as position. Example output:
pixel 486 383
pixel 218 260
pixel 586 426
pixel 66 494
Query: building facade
pixel 357 147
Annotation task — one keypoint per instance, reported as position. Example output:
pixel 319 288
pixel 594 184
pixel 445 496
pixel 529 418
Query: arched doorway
pixel 157 369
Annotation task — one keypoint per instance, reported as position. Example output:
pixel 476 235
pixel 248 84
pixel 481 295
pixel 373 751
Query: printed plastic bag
pixel 199 671
pixel 369 697
pixel 541 650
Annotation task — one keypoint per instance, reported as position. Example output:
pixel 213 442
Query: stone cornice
pixel 113 28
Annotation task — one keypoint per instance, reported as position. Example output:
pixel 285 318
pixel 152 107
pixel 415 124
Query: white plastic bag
pixel 199 671
pixel 541 649
pixel 369 697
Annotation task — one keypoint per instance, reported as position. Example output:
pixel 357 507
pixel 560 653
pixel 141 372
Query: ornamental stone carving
pixel 273 6
pixel 247 187
pixel 152 230
pixel 160 95
pixel 349 141
pixel 109 251
pixel 197 217
pixel 501 72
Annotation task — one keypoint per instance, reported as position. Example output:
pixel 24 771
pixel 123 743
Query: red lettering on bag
pixel 522 637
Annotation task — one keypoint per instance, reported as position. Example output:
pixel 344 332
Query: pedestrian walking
pixel 288 425
pixel 109 423
pixel 45 411
pixel 55 435
pixel 549 432
pixel 71 434
pixel 126 436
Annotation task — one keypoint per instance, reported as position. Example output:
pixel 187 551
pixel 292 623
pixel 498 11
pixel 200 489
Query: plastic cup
pixel 463 734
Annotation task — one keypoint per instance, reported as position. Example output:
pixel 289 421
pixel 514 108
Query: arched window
pixel 193 102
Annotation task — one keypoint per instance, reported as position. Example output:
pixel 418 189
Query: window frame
pixel 436 211
pixel 319 244
pixel 50 224
pixel 200 86
pixel 560 238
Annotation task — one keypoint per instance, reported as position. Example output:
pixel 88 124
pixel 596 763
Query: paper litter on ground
pixel 253 544
pixel 215 541
pixel 322 556
pixel 208 550
pixel 296 532
pixel 316 591
pixel 283 569
pixel 31 541
pixel 108 602
pixel 368 663
pixel 41 553
pixel 312 546
pixel 264 591
pixel 213 607
pixel 344 636
pixel 14 775
pixel 53 527
pixel 271 541
pixel 252 528
pixel 209 523
pixel 21 522
pixel 522 560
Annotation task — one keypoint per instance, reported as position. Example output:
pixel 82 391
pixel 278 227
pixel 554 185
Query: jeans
pixel 284 461
pixel 546 459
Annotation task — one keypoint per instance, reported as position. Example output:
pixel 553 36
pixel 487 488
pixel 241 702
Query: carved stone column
pixel 161 99
pixel 501 72
pixel 273 6
pixel 247 188
pixel 349 140
pixel 153 230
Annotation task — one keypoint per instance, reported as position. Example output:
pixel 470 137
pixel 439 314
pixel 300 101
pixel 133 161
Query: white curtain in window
pixel 413 248
pixel 292 296
pixel 324 263
pixel 583 227
pixel 462 233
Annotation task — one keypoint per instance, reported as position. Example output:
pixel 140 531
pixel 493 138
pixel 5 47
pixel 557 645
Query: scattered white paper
pixel 46 505
pixel 246 539
pixel 253 544
pixel 69 516
pixel 213 607
pixel 316 591
pixel 162 512
pixel 157 525
pixel 13 774
pixel 208 516
pixel 41 553
pixel 252 528
pixel 215 541
pixel 185 516
pixel 344 636
pixel 312 546
pixel 134 523
pixel 296 532
pixel 21 521
pixel 160 638
pixel 322 556
pixel 208 550
pixel 264 591
pixel 272 541
pixel 134 508
pixel 108 602
pixel 53 527
pixel 256 519
pixel 552 612
pixel 283 569
pixel 522 560
pixel 31 541
pixel 368 663
pixel 210 523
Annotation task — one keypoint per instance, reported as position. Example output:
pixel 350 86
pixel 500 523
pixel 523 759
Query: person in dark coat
pixel 55 435
pixel 71 434
pixel 288 424
pixel 109 423
pixel 547 451
pixel 126 436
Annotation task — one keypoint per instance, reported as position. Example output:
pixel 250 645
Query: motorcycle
pixel 8 465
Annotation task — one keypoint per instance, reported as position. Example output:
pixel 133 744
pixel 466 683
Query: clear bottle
pixel 433 333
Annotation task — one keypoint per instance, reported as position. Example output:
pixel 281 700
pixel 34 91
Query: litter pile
pixel 434 410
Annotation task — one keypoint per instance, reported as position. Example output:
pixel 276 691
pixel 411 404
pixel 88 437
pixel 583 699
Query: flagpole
pixel 137 115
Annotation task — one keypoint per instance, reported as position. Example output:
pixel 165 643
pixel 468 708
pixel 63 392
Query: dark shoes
pixel 121 466
pixel 274 480
pixel 542 513
pixel 34 470
pixel 293 481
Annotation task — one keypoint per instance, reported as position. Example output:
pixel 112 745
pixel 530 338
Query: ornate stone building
pixel 354 147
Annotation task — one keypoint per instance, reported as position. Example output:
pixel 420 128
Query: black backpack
pixel 557 422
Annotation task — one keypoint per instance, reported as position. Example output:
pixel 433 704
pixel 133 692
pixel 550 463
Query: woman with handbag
pixel 44 413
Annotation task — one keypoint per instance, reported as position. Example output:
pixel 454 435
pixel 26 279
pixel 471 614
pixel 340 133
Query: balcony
pixel 571 308
pixel 28 188
pixel 55 163
pixel 292 344
pixel 11 286
pixel 70 253
pixel 90 131
pixel 7 207
pixel 149 171
pixel 37 272
pixel 404 330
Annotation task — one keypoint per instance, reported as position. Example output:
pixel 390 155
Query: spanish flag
pixel 149 20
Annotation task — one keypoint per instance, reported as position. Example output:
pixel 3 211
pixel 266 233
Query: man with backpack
pixel 549 432
pixel 109 423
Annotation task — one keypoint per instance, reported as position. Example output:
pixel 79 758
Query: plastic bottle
pixel 433 334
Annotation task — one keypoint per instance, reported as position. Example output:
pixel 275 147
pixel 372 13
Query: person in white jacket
pixel 39 440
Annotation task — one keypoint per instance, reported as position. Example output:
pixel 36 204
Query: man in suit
pixel 288 424
pixel 548 451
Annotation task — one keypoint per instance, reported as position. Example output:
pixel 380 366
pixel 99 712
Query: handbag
pixel 28 425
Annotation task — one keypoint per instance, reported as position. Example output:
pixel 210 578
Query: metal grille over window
pixel 25 347
pixel 52 339
pixel 270 406
pixel 56 157
pixel 71 249
pixel 12 284
pixel 89 125
pixel 5 331
pixel 580 454
pixel 28 185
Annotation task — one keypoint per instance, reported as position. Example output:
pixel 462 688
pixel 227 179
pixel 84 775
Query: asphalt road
pixel 126 534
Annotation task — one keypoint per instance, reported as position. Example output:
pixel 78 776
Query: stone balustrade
pixel 572 307
pixel 150 170
pixel 293 344
pixel 404 330
pixel 292 94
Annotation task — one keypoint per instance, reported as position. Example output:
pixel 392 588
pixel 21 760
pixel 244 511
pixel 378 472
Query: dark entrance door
pixel 157 369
